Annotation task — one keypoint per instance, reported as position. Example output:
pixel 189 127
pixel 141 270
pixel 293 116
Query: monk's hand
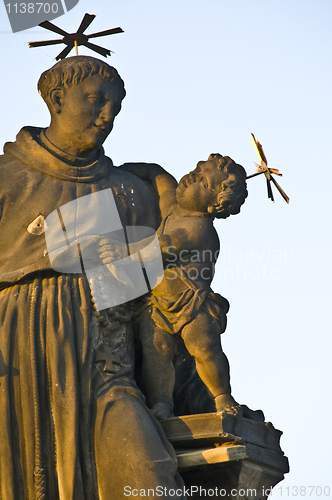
pixel 112 250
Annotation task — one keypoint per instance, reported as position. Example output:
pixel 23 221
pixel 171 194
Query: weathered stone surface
pixel 234 456
pixel 74 423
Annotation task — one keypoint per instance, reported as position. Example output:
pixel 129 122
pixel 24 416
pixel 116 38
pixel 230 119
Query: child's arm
pixel 174 241
pixel 161 181
pixel 111 250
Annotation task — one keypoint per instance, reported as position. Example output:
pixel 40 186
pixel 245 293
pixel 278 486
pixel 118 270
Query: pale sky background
pixel 200 77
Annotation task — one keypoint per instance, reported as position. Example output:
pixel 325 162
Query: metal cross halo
pixel 264 169
pixel 74 39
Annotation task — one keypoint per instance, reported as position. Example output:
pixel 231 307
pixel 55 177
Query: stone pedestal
pixel 221 455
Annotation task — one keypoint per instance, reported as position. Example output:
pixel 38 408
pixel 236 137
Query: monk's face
pixel 87 113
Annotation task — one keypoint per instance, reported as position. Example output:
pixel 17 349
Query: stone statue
pixel 183 303
pixel 76 420
pixel 74 424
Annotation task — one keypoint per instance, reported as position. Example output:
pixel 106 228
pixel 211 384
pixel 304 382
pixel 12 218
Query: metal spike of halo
pixel 74 39
pixel 264 169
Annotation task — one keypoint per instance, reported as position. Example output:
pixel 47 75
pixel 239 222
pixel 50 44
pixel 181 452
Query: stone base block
pixel 221 455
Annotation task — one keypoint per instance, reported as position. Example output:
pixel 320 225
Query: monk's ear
pixel 211 209
pixel 56 100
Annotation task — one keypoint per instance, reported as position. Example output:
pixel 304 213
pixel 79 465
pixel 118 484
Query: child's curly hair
pixel 232 192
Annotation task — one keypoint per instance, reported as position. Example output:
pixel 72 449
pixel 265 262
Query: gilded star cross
pixel 264 169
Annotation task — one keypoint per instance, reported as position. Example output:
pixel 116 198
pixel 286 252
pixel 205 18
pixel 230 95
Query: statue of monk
pixel 74 424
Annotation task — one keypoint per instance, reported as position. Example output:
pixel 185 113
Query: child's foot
pixel 161 411
pixel 225 403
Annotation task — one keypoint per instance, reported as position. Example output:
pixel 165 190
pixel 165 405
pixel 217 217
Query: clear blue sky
pixel 200 77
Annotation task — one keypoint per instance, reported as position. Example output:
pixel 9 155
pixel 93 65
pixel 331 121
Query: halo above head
pixel 74 39
pixel 267 171
pixel 73 70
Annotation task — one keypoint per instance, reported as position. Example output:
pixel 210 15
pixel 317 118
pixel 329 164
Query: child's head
pixel 217 186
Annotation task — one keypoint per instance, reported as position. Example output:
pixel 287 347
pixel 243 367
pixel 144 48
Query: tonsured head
pixel 217 186
pixel 84 96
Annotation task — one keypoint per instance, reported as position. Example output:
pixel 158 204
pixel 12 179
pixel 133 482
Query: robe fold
pixel 73 424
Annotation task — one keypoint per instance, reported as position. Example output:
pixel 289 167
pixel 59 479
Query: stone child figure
pixel 184 304
pixel 74 424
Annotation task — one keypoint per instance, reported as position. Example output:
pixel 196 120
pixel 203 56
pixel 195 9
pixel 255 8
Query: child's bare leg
pixel 202 339
pixel 158 349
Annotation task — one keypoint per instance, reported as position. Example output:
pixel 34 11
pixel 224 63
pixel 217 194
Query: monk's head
pixel 84 95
